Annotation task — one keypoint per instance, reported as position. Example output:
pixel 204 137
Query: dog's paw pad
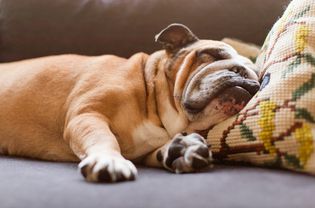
pixel 107 169
pixel 186 154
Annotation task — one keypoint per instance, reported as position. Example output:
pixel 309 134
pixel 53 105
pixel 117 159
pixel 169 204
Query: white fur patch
pixel 115 167
pixel 146 138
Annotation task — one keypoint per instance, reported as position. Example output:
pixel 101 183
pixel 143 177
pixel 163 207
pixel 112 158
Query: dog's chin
pixel 227 103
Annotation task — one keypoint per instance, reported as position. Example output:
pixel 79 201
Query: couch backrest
pixel 36 28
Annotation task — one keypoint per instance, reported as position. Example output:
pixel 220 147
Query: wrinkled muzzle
pixel 231 88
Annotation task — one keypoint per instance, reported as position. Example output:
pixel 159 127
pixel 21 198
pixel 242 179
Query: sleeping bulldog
pixel 107 111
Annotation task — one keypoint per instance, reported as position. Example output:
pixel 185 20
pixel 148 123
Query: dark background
pixel 33 28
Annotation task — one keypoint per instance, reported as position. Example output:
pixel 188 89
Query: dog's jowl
pixel 106 111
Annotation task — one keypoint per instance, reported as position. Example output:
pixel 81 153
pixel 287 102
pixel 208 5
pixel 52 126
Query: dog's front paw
pixel 103 168
pixel 186 153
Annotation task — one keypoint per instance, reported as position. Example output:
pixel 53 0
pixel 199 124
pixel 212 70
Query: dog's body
pixel 103 110
pixel 49 92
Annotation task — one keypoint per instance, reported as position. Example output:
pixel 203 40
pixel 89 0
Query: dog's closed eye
pixel 206 58
pixel 213 54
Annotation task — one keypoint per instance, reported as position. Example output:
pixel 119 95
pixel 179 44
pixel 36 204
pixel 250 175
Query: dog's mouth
pixel 231 91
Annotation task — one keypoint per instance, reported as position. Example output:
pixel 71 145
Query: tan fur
pixel 70 107
pixel 41 99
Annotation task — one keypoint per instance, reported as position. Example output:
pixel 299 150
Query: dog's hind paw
pixel 103 168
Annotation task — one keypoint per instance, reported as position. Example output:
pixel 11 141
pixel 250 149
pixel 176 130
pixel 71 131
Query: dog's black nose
pixel 252 86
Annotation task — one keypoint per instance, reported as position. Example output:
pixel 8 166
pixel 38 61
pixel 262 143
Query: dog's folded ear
pixel 175 37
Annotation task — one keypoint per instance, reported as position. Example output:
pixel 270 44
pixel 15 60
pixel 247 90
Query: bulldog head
pixel 210 81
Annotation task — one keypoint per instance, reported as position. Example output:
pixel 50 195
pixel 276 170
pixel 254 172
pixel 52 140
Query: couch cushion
pixel 37 28
pixel 277 127
pixel 36 184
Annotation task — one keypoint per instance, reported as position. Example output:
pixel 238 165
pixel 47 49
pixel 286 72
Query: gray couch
pixel 36 28
pixel 36 184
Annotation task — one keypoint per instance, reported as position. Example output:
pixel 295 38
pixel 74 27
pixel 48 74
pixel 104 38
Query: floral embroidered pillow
pixel 277 127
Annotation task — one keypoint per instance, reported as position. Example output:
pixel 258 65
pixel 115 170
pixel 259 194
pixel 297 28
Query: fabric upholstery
pixel 37 184
pixel 36 28
pixel 277 127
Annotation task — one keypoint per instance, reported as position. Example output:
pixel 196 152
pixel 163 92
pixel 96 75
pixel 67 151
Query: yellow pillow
pixel 277 126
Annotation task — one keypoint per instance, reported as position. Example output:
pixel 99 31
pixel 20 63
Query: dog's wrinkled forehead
pixel 200 51
pixel 217 49
pixel 179 42
pixel 185 50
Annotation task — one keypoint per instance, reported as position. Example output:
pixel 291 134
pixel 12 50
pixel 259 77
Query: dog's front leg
pixel 184 153
pixel 91 139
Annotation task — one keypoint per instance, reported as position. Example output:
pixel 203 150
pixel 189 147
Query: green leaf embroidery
pixel 307 86
pixel 307 57
pixel 247 133
pixel 292 66
pixel 293 160
pixel 310 59
pixel 276 163
pixel 304 114
pixel 302 13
